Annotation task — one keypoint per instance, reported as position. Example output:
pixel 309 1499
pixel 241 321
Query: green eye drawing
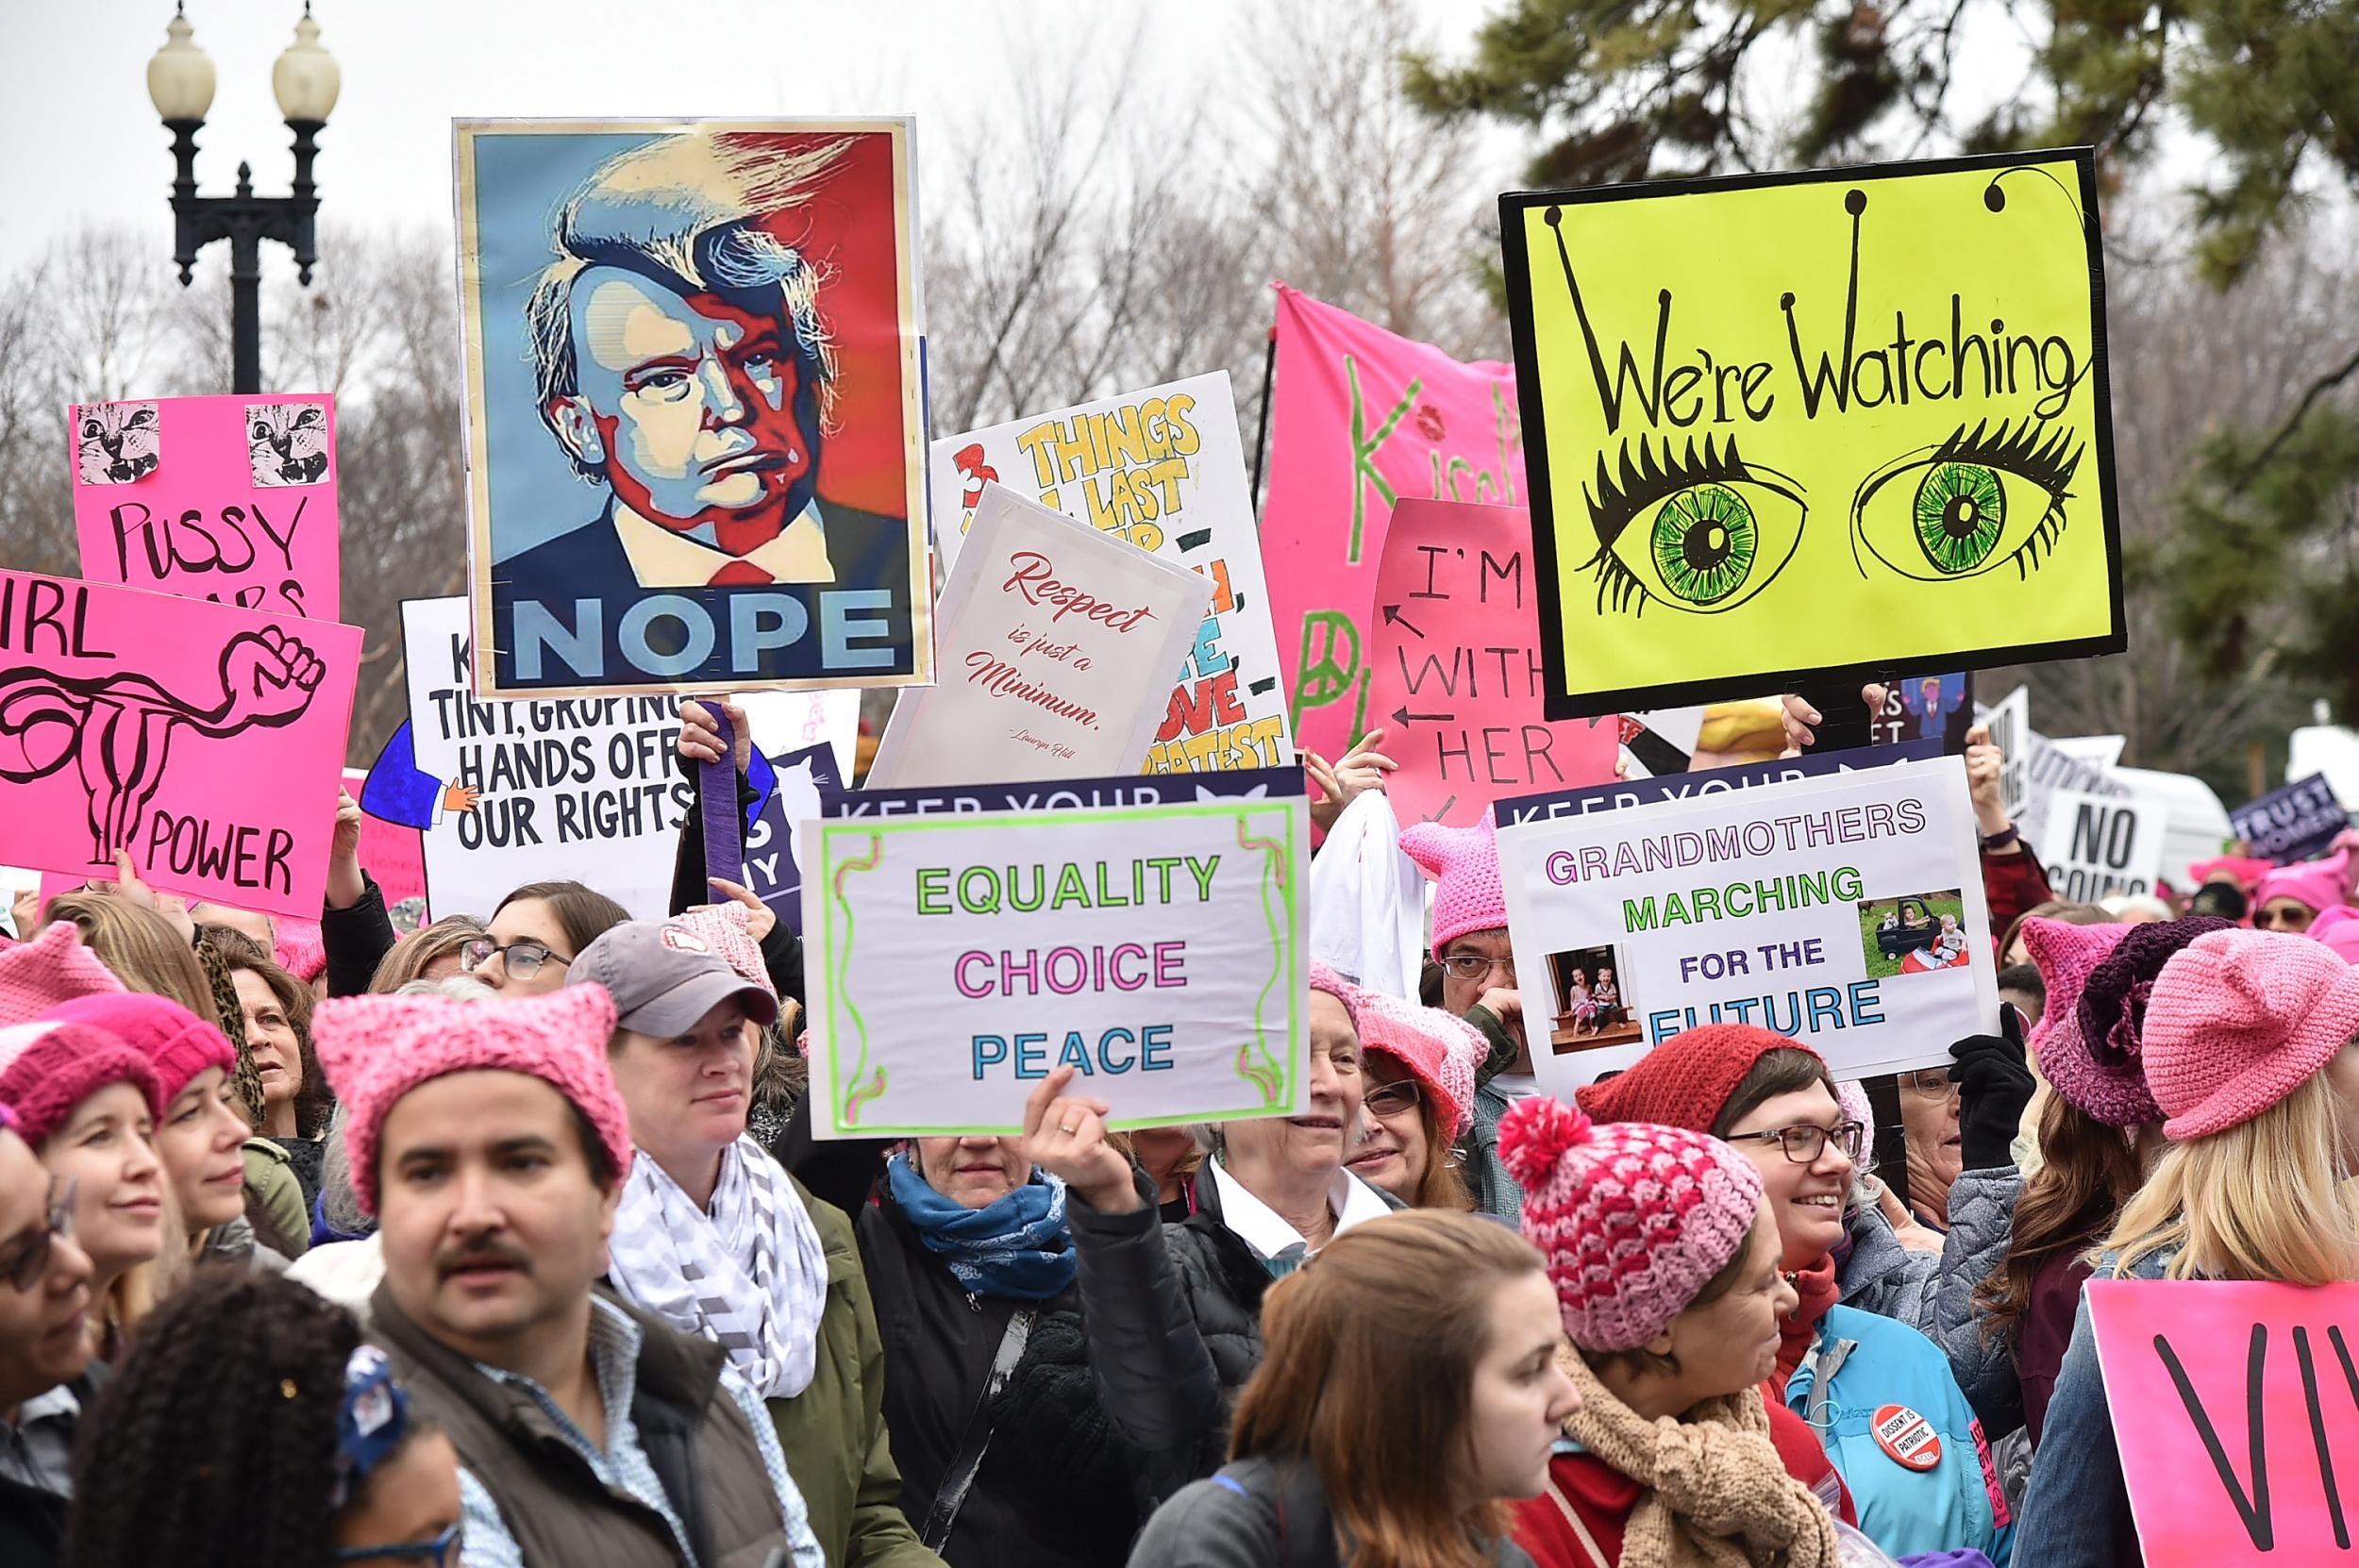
pixel 1695 529
pixel 1987 497
pixel 1961 511
pixel 1705 541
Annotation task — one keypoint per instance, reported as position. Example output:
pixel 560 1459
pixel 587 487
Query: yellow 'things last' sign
pixel 1793 426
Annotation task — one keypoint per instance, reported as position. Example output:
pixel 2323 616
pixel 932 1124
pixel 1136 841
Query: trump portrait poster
pixel 1785 428
pixel 696 438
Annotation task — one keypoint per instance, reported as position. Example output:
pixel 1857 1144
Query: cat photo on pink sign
pixel 232 499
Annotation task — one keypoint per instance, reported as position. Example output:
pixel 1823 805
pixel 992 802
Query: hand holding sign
pixel 1362 768
pixel 700 738
pixel 1065 1136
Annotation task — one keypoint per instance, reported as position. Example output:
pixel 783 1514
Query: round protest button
pixel 1907 1439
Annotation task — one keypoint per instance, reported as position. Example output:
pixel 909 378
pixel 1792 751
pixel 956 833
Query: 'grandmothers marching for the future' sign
pixel 1797 426
pixel 1845 910
pixel 957 960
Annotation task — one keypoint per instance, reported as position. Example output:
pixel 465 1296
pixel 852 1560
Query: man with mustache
pixel 489 1141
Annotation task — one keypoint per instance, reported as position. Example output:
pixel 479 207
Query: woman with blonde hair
pixel 1411 1387
pixel 2247 1048
pixel 434 952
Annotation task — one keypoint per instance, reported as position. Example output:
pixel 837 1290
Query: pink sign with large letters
pixel 1056 649
pixel 2236 1409
pixel 232 499
pixel 1457 688
pixel 205 740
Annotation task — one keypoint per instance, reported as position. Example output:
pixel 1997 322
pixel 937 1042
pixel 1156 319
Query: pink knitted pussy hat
pixel 1442 1052
pixel 35 976
pixel 176 1043
pixel 2095 1058
pixel 49 1067
pixel 2238 1021
pixel 375 1049
pixel 2064 955
pixel 2338 927
pixel 1464 865
pixel 1327 977
pixel 1634 1218
pixel 2316 883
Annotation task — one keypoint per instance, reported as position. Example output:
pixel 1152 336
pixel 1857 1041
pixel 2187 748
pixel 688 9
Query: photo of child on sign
pixel 1592 1009
pixel 1915 935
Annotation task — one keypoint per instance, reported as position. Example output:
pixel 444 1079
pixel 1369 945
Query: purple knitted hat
pixel 2097 1065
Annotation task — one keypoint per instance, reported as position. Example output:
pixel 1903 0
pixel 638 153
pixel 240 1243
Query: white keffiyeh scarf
pixel 751 1275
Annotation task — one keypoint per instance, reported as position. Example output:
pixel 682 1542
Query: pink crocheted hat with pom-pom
pixel 1464 865
pixel 375 1049
pixel 1634 1218
pixel 1441 1051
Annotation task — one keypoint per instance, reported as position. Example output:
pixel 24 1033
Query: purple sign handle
pixel 725 826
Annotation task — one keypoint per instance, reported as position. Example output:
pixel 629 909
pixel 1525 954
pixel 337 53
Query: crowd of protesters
pixel 506 1242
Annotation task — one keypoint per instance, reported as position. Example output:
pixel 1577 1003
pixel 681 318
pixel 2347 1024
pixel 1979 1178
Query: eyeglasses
pixel 443 1551
pixel 2290 920
pixel 1803 1145
pixel 1393 1098
pixel 523 958
pixel 1473 966
pixel 25 1270
pixel 1931 1081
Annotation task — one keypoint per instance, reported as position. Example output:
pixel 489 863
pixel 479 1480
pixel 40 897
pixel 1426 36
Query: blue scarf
pixel 1018 1246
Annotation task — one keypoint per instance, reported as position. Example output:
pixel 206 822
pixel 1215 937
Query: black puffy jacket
pixel 1175 1317
pixel 1058 1485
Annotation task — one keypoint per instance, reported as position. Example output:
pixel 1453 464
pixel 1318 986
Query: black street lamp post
pixel 305 81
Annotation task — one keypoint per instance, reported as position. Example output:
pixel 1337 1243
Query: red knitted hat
pixel 35 976
pixel 1634 1219
pixel 176 1043
pixel 49 1067
pixel 1686 1080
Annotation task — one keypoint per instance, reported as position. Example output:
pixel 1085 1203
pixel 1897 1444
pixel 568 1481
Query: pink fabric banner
pixel 207 739
pixel 1363 418
pixel 1456 668
pixel 232 499
pixel 2236 1408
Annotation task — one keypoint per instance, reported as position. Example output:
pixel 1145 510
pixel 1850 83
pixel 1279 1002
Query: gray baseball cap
pixel 664 977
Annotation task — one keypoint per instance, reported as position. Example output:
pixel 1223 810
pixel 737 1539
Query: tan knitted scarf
pixel 1717 1495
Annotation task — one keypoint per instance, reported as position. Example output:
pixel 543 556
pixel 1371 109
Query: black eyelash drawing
pixel 1961 508
pixel 1706 539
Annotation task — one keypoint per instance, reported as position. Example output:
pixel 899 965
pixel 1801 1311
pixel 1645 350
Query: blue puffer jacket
pixel 1859 1364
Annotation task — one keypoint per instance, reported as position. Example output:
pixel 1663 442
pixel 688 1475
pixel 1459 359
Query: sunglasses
pixel 523 958
pixel 1393 1098
pixel 443 1551
pixel 24 1268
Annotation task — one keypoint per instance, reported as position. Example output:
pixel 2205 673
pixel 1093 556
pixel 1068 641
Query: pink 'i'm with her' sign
pixel 232 499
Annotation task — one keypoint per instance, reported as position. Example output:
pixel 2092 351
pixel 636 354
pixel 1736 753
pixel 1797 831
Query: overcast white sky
pixel 78 70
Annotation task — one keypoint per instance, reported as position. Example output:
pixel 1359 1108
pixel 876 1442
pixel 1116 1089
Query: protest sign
pixel 2232 1403
pixel 2295 823
pixel 722 486
pixel 1917 707
pixel 394 856
pixel 1057 645
pixel 1457 661
pixel 2048 774
pixel 2100 845
pixel 1162 468
pixel 1065 794
pixel 510 791
pixel 2098 751
pixel 204 738
pixel 1359 418
pixel 1846 910
pixel 1724 434
pixel 2010 723
pixel 784 722
pixel 773 867
pixel 959 960
pixel 232 499
pixel 1622 793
